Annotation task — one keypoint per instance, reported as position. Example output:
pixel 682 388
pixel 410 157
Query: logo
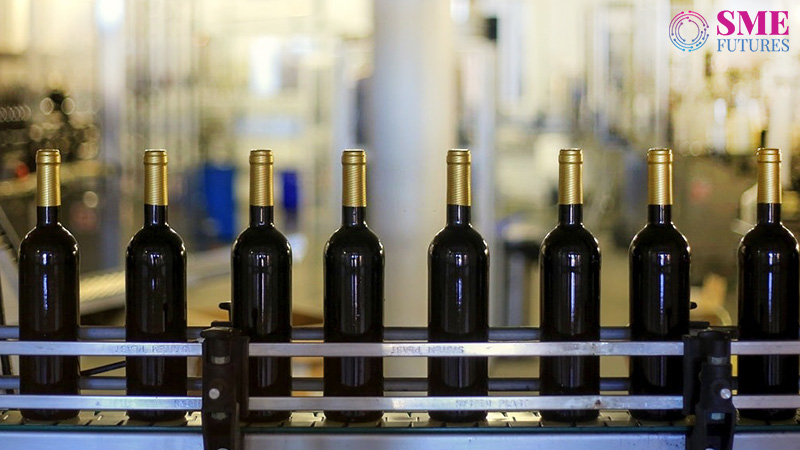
pixel 688 31
pixel 762 31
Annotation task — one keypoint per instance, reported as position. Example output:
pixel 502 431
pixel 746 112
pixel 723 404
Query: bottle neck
pixel 571 214
pixel 354 180
pixel 769 182
pixel 354 216
pixel 261 216
pixel 48 187
pixel 570 177
pixel 458 215
pixel 261 194
pixel 155 215
pixel 659 177
pixel 459 175
pixel 768 212
pixel 47 215
pixel 659 214
pixel 155 178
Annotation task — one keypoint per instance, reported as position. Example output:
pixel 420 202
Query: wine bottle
pixel 261 263
pixel 659 290
pixel 768 293
pixel 570 293
pixel 155 295
pixel 353 300
pixel 48 293
pixel 458 295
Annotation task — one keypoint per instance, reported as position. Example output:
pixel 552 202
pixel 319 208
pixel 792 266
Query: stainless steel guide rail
pixel 411 403
pixel 98 342
pixel 404 349
pixel 390 349
pixel 108 347
pixel 403 395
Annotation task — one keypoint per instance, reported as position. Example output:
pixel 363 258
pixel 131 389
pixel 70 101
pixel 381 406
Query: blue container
pixel 219 199
pixel 290 184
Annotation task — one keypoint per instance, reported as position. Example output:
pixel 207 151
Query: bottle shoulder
pixel 265 239
pixel 48 237
pixel 347 239
pixel 572 238
pixel 767 237
pixel 453 238
pixel 159 237
pixel 660 237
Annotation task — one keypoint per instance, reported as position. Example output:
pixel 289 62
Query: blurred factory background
pixel 512 80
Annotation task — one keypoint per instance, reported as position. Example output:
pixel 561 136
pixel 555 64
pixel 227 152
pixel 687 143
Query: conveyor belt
pixel 405 423
pixel 613 430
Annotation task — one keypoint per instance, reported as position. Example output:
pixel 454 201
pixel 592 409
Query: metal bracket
pixel 225 393
pixel 708 391
pixel 226 306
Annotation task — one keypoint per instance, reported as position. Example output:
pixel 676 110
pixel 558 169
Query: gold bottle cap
pixel 48 177
pixel 459 189
pixel 155 177
pixel 354 178
pixel 570 176
pixel 261 193
pixel 48 156
pixel 659 176
pixel 769 175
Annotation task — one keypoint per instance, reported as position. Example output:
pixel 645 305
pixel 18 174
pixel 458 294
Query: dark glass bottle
pixel 155 296
pixel 261 263
pixel 48 293
pixel 769 294
pixel 570 294
pixel 458 295
pixel 353 295
pixel 659 290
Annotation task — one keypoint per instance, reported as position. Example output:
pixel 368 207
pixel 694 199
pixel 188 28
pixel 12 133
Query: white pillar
pixel 413 116
pixel 111 63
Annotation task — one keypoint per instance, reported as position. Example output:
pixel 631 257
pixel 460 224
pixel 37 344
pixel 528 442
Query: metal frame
pixel 400 342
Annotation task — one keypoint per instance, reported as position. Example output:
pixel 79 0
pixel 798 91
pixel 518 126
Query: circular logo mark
pixel 688 31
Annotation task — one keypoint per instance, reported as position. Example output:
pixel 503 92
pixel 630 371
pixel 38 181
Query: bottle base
pixel 353 416
pixel 768 414
pixel 267 416
pixel 458 416
pixel 669 415
pixel 570 416
pixel 156 416
pixel 49 414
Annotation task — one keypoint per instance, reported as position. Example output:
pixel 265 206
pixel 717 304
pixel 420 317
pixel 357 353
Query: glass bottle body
pixel 458 292
pixel 659 307
pixel 570 310
pixel 48 309
pixel 353 310
pixel 768 308
pixel 261 262
pixel 155 290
